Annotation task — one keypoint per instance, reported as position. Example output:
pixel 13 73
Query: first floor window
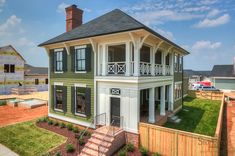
pixel 178 90
pixel 58 98
pixel 46 81
pixel 36 81
pixel 9 68
pixel 80 60
pixel 80 105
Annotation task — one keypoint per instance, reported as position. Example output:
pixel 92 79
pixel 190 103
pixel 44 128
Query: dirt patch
pixel 71 139
pixel 12 115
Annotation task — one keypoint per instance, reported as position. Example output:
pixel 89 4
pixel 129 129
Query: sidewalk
pixel 4 151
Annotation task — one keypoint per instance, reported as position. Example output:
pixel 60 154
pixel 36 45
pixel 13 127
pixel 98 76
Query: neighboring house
pixel 223 76
pixel 113 65
pixel 196 76
pixel 13 72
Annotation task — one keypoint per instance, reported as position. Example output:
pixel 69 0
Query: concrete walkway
pixel 4 151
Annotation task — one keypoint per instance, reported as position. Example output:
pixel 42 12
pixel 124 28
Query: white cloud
pixel 169 35
pixel 206 45
pixel 23 41
pixel 213 13
pixel 213 22
pixel 11 23
pixel 87 10
pixel 208 2
pixel 2 2
pixel 61 7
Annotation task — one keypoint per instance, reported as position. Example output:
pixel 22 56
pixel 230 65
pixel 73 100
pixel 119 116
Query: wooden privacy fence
pixel 172 142
pixel 212 95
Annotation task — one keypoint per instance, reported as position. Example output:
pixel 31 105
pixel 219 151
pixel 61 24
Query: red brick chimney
pixel 73 17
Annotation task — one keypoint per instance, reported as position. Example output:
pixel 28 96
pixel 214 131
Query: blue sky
pixel 203 27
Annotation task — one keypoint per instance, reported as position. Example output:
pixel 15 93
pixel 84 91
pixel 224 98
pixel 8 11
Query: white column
pixel 136 59
pixel 172 63
pixel 163 63
pixel 128 59
pixel 171 97
pixel 162 102
pixel 152 58
pixel 98 61
pixel 151 105
pixel 104 64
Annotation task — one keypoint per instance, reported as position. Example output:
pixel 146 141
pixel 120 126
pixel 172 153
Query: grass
pixel 201 117
pixel 26 139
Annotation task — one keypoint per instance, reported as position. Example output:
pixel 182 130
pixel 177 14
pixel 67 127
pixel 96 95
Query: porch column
pixel 128 59
pixel 151 105
pixel 104 63
pixel 171 98
pixel 163 63
pixel 152 58
pixel 99 61
pixel 136 59
pixel 172 63
pixel 163 101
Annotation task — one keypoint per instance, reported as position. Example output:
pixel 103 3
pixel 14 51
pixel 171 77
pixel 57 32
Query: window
pixel 158 57
pixel 36 81
pixel 168 59
pixel 176 63
pixel 117 53
pixel 58 98
pixel 180 64
pixel 9 68
pixel 46 81
pixel 178 91
pixel 80 61
pixel 145 54
pixel 80 100
pixel 59 61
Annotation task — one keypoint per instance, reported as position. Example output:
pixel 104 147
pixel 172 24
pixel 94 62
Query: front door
pixel 115 111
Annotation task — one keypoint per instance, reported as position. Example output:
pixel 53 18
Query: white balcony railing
pixel 168 70
pixel 158 70
pixel 116 68
pixel 145 68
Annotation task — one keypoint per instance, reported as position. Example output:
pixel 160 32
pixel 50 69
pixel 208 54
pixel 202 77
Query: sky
pixel 206 28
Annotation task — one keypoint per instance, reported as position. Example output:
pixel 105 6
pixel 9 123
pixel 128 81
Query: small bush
pixel 44 119
pixel 75 130
pixel 81 141
pixel 38 121
pixel 69 148
pixel 62 125
pixel 70 127
pixel 156 154
pixel 130 147
pixel 143 151
pixel 56 123
pixel 58 153
pixel 122 152
pixel 50 122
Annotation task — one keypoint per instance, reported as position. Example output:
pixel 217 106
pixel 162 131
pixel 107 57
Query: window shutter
pixel 53 97
pixel 52 60
pixel 73 100
pixel 64 89
pixel 72 53
pixel 88 101
pixel 64 60
pixel 88 58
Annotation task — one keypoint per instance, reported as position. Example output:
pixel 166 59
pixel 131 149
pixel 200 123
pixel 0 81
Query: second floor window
pixel 9 68
pixel 59 61
pixel 180 64
pixel 80 61
pixel 176 63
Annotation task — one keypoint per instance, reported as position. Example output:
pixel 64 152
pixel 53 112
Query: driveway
pixel 11 115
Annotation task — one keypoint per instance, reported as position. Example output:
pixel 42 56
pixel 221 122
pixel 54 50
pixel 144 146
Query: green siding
pixel 185 85
pixel 69 78
pixel 225 84
pixel 178 103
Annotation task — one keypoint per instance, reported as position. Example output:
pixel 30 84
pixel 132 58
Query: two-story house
pixel 113 65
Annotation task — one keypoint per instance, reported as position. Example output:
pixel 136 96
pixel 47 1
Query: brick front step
pixel 102 137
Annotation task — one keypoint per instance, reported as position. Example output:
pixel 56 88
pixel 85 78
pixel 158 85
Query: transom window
pixel 59 60
pixel 9 68
pixel 58 98
pixel 80 61
pixel 80 105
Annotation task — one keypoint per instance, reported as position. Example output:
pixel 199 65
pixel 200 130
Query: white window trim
pixel 58 72
pixel 81 72
pixel 75 98
pixel 80 85
pixel 57 84
pixel 79 47
pixel 58 50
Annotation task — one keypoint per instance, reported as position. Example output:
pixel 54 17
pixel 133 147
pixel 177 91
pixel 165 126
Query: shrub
pixel 38 121
pixel 70 127
pixel 50 122
pixel 56 123
pixel 156 154
pixel 62 125
pixel 75 130
pixel 44 119
pixel 58 153
pixel 81 141
pixel 69 148
pixel 143 151
pixel 88 133
pixel 122 152
pixel 130 147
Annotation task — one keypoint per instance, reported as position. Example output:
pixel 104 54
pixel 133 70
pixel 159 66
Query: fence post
pixel 176 143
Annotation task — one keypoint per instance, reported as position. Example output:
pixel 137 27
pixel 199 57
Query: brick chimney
pixel 73 17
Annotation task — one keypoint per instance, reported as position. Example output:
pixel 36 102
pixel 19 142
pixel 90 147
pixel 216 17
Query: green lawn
pixel 26 139
pixel 200 118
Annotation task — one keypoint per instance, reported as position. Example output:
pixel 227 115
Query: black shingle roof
pixel 31 70
pixel 223 71
pixel 111 22
pixel 189 72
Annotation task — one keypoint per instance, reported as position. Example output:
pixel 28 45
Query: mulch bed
pixel 65 132
pixel 136 152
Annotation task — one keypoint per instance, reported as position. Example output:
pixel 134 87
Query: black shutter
pixel 88 58
pixel 72 53
pixel 73 100
pixel 64 60
pixel 52 60
pixel 88 101
pixel 53 97
pixel 64 102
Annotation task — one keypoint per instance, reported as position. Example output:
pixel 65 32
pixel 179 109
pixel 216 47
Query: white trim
pixel 58 72
pixel 80 114
pixel 223 77
pixel 58 50
pixel 178 82
pixel 80 72
pixel 58 83
pixel 80 85
pixel 80 47
pixel 59 110
pixel 71 120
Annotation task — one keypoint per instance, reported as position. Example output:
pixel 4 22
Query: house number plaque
pixel 115 91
